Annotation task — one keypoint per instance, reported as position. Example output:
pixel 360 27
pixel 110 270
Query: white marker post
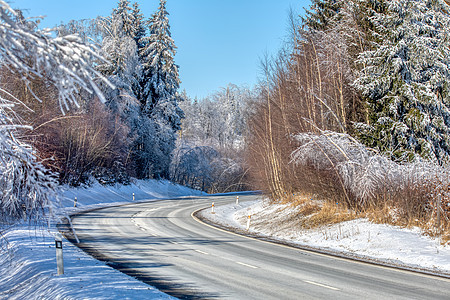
pixel 212 208
pixel 59 254
pixel 133 196
pixel 24 209
pixel 237 200
pixel 75 202
pixel 438 213
pixel 248 222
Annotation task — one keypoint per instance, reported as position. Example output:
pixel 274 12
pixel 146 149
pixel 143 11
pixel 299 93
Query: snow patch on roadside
pixel 29 272
pixel 28 265
pixel 375 241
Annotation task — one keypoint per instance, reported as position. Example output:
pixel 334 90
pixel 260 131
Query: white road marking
pixel 322 285
pixel 199 251
pixel 243 264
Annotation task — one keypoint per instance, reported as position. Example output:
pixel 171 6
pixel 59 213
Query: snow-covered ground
pixel 28 266
pixel 357 238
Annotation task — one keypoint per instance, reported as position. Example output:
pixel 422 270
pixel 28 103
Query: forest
pixel 351 118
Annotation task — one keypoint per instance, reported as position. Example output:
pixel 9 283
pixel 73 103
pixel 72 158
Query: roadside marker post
pixel 59 254
pixel 24 209
pixel 212 208
pixel 75 202
pixel 438 214
pixel 133 197
pixel 248 222
pixel 237 200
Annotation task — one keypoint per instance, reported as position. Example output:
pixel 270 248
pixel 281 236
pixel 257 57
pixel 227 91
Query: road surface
pixel 161 244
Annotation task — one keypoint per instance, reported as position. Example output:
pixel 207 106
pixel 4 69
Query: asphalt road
pixel 161 244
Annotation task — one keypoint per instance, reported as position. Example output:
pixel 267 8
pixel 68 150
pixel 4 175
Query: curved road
pixel 161 244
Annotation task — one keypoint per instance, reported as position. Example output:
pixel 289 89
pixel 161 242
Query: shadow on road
pixel 141 271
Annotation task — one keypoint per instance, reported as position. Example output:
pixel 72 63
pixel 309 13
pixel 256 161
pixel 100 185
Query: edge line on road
pixel 329 255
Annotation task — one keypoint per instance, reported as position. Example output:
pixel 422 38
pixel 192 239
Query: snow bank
pixel 361 238
pixel 28 264
pixel 29 272
pixel 99 196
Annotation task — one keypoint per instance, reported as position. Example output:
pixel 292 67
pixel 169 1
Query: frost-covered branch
pixel 365 174
pixel 65 61
pixel 26 186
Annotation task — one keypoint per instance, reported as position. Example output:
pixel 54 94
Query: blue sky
pixel 219 41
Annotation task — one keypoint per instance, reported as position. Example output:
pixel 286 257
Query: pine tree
pixel 125 17
pixel 159 64
pixel 139 34
pixel 320 13
pixel 160 91
pixel 139 26
pixel 406 81
pixel 119 47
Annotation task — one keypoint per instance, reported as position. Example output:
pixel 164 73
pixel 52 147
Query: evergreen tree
pixel 320 13
pixel 125 17
pixel 160 91
pixel 139 34
pixel 120 49
pixel 143 70
pixel 158 64
pixel 406 81
pixel 139 26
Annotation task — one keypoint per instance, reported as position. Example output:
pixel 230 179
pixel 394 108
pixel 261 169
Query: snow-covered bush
pixel 363 178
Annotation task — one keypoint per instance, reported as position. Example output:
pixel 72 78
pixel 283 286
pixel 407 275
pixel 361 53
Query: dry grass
pixel 314 214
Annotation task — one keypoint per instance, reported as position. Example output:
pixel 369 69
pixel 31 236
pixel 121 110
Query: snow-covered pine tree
pixel 125 17
pixel 160 93
pixel 119 47
pixel 406 81
pixel 158 63
pixel 140 32
pixel 139 26
pixel 320 12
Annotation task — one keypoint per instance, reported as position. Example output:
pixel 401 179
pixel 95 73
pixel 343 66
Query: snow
pixel 28 268
pixel 359 238
pixel 28 263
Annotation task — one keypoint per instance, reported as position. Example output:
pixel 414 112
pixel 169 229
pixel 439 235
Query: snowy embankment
pixel 28 265
pixel 359 238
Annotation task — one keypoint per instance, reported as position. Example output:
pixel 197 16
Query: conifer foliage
pixel 141 55
pixel 406 80
pixel 321 13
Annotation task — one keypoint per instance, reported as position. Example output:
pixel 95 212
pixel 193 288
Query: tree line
pixel 134 134
pixel 354 110
pixel 90 100
pixel 210 148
